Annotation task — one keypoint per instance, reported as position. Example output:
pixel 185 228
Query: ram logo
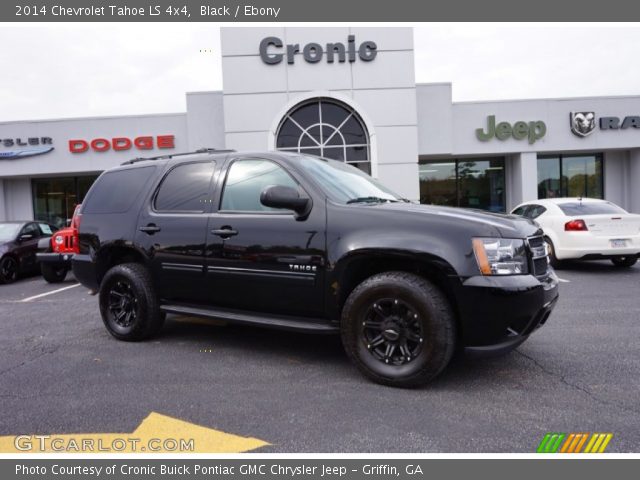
pixel 582 123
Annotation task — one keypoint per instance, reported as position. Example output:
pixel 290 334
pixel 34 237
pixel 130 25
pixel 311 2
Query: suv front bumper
pixel 499 313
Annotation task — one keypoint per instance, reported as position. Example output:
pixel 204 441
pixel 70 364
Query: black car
pixel 291 241
pixel 18 247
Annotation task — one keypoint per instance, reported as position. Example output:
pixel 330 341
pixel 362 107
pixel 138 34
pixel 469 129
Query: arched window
pixel 327 128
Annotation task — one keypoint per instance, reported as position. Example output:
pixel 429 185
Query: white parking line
pixel 28 299
pixel 563 280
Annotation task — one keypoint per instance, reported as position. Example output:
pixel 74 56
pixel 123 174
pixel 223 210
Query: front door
pixel 172 227
pixel 260 258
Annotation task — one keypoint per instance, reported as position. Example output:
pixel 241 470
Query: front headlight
pixel 500 256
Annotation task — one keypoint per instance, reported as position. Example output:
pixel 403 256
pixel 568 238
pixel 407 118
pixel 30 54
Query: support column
pixel 3 208
pixel 633 181
pixel 523 178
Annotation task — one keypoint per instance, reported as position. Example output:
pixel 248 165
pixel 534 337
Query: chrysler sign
pixel 22 147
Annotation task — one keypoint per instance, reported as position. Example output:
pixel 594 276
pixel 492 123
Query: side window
pixel 31 229
pixel 536 211
pixel 520 210
pixel 247 179
pixel 115 192
pixel 185 188
pixel 45 228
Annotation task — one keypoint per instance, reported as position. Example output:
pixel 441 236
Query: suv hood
pixel 505 225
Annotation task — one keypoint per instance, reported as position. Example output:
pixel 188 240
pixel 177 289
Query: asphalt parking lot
pixel 61 372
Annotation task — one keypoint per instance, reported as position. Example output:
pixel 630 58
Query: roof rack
pixel 171 155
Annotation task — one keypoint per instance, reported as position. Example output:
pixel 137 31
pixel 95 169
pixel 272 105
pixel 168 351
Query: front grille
pixel 538 252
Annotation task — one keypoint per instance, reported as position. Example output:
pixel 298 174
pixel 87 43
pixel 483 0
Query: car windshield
pixel 346 184
pixel 574 209
pixel 9 231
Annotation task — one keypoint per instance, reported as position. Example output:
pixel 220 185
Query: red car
pixel 56 253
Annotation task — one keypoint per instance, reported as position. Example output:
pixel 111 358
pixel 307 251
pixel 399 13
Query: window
pixel 245 182
pixel 535 211
pixel 31 229
pixel 327 128
pixel 343 183
pixel 54 199
pixel 470 182
pixel 570 176
pixel 115 192
pixel 45 228
pixel 576 209
pixel 520 210
pixel 185 188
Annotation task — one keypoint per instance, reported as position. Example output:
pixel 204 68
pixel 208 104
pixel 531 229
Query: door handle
pixel 150 229
pixel 224 232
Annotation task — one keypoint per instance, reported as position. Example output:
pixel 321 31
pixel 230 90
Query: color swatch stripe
pixel 555 442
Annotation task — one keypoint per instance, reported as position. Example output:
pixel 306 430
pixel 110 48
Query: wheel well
pixel 113 256
pixel 362 268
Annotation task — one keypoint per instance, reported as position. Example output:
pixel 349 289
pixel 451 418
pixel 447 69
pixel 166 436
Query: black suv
pixel 297 242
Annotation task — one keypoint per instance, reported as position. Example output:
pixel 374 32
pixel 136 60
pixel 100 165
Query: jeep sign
pixel 519 130
pixel 272 51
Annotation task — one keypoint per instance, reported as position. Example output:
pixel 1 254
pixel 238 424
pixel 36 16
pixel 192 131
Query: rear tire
pixel 53 274
pixel 8 270
pixel 624 262
pixel 398 329
pixel 128 303
pixel 553 260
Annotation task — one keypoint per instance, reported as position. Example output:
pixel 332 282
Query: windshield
pixel 346 184
pixel 575 209
pixel 9 231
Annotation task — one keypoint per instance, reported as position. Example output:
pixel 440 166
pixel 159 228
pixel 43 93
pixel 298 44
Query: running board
pixel 281 322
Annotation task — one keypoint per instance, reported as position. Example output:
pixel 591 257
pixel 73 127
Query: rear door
pixel 172 227
pixel 264 259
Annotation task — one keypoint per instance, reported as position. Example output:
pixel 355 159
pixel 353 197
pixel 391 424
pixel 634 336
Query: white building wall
pixel 205 120
pixel 435 119
pixel 17 198
pixel 257 95
pixel 62 161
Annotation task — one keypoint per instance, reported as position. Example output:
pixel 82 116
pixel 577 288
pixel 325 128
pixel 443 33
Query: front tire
pixel 128 303
pixel 53 274
pixel 398 329
pixel 8 270
pixel 624 262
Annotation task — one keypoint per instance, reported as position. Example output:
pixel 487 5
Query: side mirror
pixel 279 196
pixel 24 237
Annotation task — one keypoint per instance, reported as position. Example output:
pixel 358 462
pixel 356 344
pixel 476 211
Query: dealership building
pixel 348 94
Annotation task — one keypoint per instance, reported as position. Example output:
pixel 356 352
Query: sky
pixel 80 70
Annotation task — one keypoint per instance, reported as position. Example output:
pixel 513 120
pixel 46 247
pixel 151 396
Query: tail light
pixel 575 226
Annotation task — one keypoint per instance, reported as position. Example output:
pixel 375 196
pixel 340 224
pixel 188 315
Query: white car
pixel 585 228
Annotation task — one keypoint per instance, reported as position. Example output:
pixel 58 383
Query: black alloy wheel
pixel 128 303
pixel 399 329
pixel 392 331
pixel 8 270
pixel 123 304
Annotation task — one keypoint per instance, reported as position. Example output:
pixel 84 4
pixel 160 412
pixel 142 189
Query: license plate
pixel 618 243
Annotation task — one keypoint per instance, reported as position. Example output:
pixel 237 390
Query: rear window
pixel 574 209
pixel 115 192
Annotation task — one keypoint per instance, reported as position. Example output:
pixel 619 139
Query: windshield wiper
pixel 370 200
